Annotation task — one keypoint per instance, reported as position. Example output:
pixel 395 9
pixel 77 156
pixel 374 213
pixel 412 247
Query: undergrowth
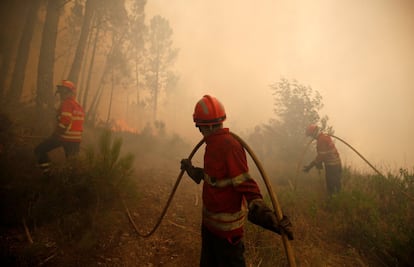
pixel 369 223
pixel 73 201
pixel 372 214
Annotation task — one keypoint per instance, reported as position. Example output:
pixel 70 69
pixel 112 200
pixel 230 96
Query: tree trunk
pixel 46 63
pixel 83 72
pixel 111 97
pixel 80 49
pixel 89 73
pixel 10 32
pixel 137 78
pixel 5 59
pixel 96 100
pixel 16 87
pixel 157 73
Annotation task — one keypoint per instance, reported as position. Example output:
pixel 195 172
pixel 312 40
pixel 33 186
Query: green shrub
pixel 81 191
pixel 356 218
pixel 376 214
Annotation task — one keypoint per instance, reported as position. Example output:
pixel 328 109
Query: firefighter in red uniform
pixel 228 191
pixel 329 156
pixel 68 132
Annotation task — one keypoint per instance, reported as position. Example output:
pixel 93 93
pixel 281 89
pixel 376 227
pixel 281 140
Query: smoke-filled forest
pixel 123 199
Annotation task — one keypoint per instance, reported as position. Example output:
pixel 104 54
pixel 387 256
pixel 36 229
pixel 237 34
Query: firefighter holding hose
pixel 229 192
pixel 329 156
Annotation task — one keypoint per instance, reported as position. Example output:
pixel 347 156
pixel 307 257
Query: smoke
pixel 358 54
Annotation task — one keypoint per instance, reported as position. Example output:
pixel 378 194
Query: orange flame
pixel 120 125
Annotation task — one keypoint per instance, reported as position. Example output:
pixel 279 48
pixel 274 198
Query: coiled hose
pixel 278 211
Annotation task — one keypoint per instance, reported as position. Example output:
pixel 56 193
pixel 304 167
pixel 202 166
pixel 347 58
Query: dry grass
pixel 368 224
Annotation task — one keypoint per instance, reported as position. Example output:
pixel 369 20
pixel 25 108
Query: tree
pixel 111 29
pixel 119 69
pixel 138 32
pixel 90 7
pixel 45 70
pixel 87 84
pixel 295 106
pixel 16 87
pixel 10 33
pixel 160 58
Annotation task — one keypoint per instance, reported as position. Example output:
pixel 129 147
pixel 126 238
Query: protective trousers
pixel 221 252
pixel 333 178
pixel 71 149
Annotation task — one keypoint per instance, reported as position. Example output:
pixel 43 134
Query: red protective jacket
pixel 227 185
pixel 327 152
pixel 70 120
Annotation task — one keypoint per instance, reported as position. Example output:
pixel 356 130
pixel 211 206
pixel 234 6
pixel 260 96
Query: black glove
pixel 307 168
pixel 285 226
pixel 263 216
pixel 319 165
pixel 195 173
pixel 58 132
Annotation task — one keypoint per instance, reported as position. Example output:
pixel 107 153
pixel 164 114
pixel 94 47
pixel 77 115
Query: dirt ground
pixel 176 242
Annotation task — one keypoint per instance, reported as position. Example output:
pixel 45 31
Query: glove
pixel 284 226
pixel 195 173
pixel 319 165
pixel 186 164
pixel 58 132
pixel 263 216
pixel 307 168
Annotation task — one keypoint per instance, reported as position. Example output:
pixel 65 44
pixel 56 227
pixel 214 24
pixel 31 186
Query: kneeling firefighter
pixel 229 192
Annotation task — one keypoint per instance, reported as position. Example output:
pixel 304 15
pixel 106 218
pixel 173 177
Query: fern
pixel 109 164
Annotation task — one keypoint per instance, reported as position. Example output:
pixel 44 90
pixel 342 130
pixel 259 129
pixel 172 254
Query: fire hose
pixel 361 156
pixel 278 211
pixel 372 166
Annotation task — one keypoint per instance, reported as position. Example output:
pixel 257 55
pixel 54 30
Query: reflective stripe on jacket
pixel 225 221
pixel 70 120
pixel 327 151
pixel 227 185
pixel 235 181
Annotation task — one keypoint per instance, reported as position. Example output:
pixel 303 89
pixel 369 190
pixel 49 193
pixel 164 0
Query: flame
pixel 120 125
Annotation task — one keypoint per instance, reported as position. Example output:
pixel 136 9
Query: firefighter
pixel 68 131
pixel 327 155
pixel 229 192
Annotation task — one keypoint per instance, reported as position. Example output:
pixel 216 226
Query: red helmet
pixel 208 111
pixel 312 130
pixel 68 85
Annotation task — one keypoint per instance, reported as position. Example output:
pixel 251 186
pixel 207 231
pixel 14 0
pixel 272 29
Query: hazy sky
pixel 358 54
